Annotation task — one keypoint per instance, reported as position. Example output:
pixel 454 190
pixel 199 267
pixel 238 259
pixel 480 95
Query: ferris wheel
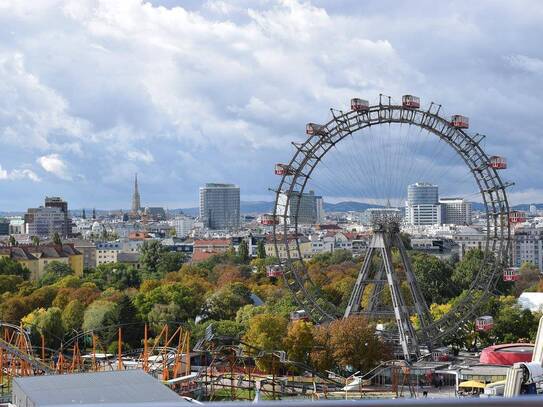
pixel 358 125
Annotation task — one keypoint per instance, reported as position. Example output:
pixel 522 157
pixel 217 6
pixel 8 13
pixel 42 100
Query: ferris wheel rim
pixel 491 188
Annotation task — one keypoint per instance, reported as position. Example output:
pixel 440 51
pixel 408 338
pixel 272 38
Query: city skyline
pixel 80 130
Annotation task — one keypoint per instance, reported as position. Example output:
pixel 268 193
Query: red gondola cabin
pixel 314 129
pixel 511 274
pixel 498 163
pixel 360 105
pixel 410 101
pixel 283 169
pixel 459 121
pixel 484 324
pixel 274 271
pixel 517 217
pixel 269 219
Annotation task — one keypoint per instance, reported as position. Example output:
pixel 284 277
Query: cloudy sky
pixel 188 92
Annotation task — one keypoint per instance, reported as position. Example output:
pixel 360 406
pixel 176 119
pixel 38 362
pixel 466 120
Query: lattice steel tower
pixel 378 270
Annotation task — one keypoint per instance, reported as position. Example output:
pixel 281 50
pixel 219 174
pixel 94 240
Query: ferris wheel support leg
pixel 421 307
pixel 408 339
pixel 354 302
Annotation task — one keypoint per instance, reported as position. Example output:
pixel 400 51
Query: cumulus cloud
pixel 54 164
pixel 18 174
pixel 106 89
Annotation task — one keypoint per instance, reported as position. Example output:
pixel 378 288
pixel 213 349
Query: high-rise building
pixel 182 225
pixel 136 204
pixel 306 205
pixel 455 211
pixel 58 202
pixel 319 203
pixel 528 245
pixel 47 220
pixel 220 206
pixel 4 227
pixel 422 206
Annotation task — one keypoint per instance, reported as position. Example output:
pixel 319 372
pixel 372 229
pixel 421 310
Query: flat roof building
pixel 90 389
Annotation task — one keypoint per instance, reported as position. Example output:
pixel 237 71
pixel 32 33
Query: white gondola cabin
pixel 498 163
pixel 360 105
pixel 269 219
pixel 274 271
pixel 299 315
pixel 484 323
pixel 511 274
pixel 410 101
pixel 459 121
pixel 517 217
pixel 314 129
pixel 283 169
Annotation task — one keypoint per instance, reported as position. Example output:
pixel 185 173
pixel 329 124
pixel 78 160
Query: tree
pixel 433 277
pixel 9 283
pixel 12 241
pixel 56 239
pixel 243 252
pixel 124 314
pixel 467 269
pixel 53 272
pixel 46 323
pixel 354 344
pixel 162 314
pixel 529 276
pixel 35 240
pixel 72 316
pixel 321 355
pixel 150 254
pixel 170 261
pixel 261 249
pixel 224 303
pixel 14 308
pixel 11 267
pixel 299 341
pixel 266 332
pixel 95 316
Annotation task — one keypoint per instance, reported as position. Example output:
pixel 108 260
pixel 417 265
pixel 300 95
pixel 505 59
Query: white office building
pixel 528 245
pixel 455 211
pixel 305 204
pixel 422 206
pixel 319 204
pixel 220 206
pixel 182 225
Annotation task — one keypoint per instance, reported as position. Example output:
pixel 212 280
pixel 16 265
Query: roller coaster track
pixel 36 364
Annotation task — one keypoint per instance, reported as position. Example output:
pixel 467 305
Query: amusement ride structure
pixel 377 270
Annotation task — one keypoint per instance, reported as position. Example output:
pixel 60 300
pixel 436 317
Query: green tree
pixel 13 268
pixel 466 270
pixel 14 308
pixel 95 315
pixel 124 314
pixel 9 283
pixel 150 255
pixel 170 262
pixel 433 277
pixel 72 316
pixel 162 314
pixel 35 240
pixel 56 239
pixel 12 241
pixel 243 252
pixel 54 272
pixel 47 323
pixel 224 303
pixel 261 249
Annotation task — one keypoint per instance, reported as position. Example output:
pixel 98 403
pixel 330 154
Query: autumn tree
pixel 224 303
pixel 354 344
pixel 299 341
pixel 53 272
pixel 72 316
pixel 529 276
pixel 266 332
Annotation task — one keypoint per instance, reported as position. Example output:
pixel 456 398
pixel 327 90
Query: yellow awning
pixel 472 384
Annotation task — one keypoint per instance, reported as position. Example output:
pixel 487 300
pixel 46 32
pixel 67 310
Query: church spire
pixel 136 205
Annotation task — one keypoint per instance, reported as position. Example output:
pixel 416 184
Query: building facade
pixel 182 226
pixel 220 206
pixel 528 245
pixel 44 222
pixel 307 205
pixel 58 202
pixel 422 207
pixel 455 211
